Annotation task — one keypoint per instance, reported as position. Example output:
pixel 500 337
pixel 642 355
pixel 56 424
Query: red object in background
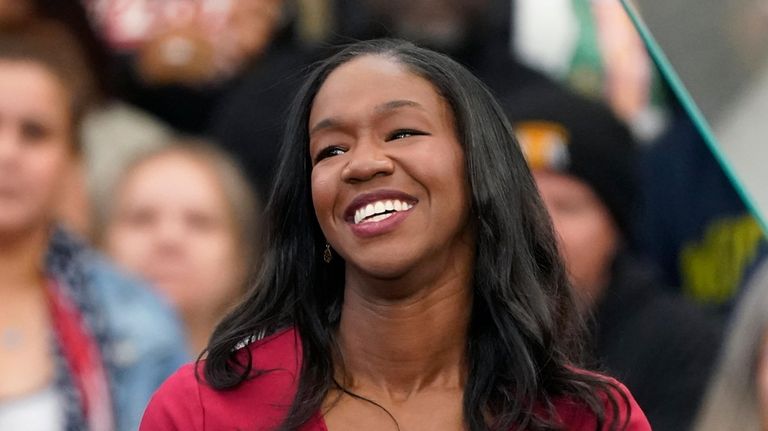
pixel 128 24
pixel 83 359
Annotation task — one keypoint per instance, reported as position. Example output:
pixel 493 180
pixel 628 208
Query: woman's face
pixel 388 182
pixel 587 236
pixel 35 145
pixel 171 224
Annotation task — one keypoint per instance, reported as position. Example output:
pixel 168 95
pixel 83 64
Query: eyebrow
pixel 396 104
pixel 379 110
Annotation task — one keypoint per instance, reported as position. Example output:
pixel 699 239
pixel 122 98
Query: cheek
pixel 563 227
pixel 49 170
pixel 323 197
pixel 443 173
pixel 128 247
pixel 578 230
pixel 588 245
pixel 218 265
pixel 213 248
pixel 218 248
pixel 582 243
pixel 454 212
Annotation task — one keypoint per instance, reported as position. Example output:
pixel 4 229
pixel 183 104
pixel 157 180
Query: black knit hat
pixel 566 133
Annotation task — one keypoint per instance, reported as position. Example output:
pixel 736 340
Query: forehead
pixel 362 84
pixel 27 83
pixel 173 176
pixel 551 183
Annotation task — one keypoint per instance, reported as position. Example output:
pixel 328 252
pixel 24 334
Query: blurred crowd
pixel 149 130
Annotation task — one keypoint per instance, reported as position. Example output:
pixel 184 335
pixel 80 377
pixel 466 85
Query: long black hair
pixel 521 346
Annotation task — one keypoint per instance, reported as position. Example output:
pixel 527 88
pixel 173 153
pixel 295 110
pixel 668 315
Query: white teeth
pixel 380 217
pixel 374 211
pixel 379 207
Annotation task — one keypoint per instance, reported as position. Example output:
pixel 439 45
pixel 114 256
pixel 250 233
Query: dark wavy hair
pixel 521 347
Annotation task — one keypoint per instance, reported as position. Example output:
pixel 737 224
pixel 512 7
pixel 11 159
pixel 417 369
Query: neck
pixel 21 260
pixel 198 330
pixel 396 347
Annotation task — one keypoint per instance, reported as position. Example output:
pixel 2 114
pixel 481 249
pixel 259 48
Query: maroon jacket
pixel 183 403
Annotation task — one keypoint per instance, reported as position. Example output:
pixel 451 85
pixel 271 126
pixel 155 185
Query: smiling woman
pixel 386 135
pixel 411 279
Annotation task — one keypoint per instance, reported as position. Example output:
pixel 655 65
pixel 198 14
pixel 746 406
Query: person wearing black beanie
pixel 583 160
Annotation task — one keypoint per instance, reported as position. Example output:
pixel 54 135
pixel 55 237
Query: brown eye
pixel 329 152
pixel 199 221
pixel 33 131
pixel 404 133
pixel 140 218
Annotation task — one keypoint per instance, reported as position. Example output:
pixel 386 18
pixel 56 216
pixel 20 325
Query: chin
pixel 383 267
pixel 15 224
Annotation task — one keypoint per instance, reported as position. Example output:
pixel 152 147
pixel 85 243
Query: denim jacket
pixel 146 341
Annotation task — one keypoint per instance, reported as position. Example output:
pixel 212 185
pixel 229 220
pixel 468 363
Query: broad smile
pixel 378 212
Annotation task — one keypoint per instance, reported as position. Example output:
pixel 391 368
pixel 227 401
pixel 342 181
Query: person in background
pixel 695 227
pixel 450 26
pixel 473 32
pixel 660 345
pixel 249 117
pixel 111 130
pixel 221 69
pixel 184 218
pixel 737 397
pixel 194 51
pixel 82 346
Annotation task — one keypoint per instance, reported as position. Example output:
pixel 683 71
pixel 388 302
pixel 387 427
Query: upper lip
pixel 364 199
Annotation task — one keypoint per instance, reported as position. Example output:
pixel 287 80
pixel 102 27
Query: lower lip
pixel 375 228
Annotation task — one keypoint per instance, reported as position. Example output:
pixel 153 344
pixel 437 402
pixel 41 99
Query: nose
pixel 168 236
pixel 9 142
pixel 367 160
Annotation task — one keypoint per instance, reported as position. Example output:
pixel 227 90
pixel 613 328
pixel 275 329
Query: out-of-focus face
pixel 441 24
pixel 253 24
pixel 587 235
pixel 193 45
pixel 171 224
pixel 36 149
pixel 388 183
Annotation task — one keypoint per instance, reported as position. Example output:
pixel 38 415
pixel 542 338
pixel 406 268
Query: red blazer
pixel 183 403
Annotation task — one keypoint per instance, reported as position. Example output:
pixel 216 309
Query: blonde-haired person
pixel 184 218
pixel 737 398
pixel 82 346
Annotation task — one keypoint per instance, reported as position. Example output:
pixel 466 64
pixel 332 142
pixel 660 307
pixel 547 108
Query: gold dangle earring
pixel 327 254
